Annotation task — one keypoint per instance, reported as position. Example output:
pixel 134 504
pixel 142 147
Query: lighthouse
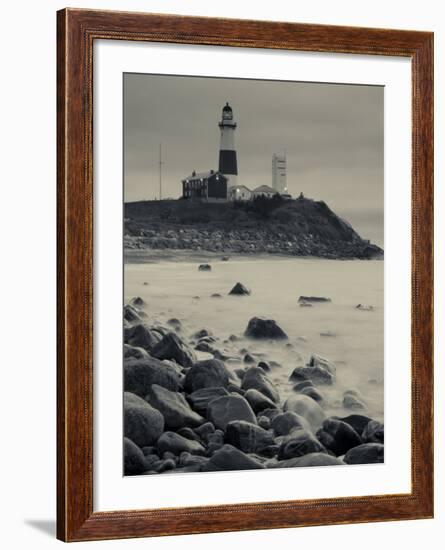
pixel 227 153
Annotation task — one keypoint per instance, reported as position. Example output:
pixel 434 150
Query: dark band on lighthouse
pixel 227 154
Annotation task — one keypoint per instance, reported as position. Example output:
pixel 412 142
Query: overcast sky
pixel 332 135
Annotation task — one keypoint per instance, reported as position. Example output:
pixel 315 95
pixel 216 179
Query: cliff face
pixel 301 227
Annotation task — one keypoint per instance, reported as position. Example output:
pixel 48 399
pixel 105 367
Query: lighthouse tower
pixel 227 153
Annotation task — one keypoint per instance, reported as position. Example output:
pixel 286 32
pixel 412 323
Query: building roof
pixel 237 187
pixel 264 189
pixel 204 175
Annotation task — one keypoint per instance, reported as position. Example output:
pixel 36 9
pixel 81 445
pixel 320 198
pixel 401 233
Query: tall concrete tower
pixel 279 173
pixel 227 153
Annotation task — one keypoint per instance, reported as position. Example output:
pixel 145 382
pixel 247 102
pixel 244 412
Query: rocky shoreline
pixel 189 406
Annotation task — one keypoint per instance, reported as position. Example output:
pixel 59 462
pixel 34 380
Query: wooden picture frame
pixel 77 31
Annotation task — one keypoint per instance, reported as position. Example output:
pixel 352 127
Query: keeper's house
pixel 205 186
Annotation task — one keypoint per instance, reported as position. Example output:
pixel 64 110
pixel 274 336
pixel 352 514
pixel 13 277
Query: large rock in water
pixel 264 329
pixel 228 408
pixel 177 444
pixel 311 459
pixel 337 436
pixel 239 290
pixel 368 453
pixel 256 379
pixel 142 337
pixel 258 401
pixel 137 353
pixel 374 432
pixel 142 423
pixel 306 407
pixel 172 347
pixel 248 437
pixel 200 399
pixel 173 407
pixel 134 459
pixel 318 375
pixel 209 373
pixel 299 443
pixel 230 458
pixel 141 374
pixel 131 314
pixel 284 423
pixel 357 421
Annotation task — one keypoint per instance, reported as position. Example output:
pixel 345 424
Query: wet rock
pixel 205 430
pixel 284 423
pixel 239 290
pixel 142 423
pixel 142 337
pixel 228 408
pixel 312 392
pixel 173 407
pixel 256 379
pixel 210 373
pixel 187 459
pixel 352 402
pixel 230 458
pixel 306 407
pixel 200 399
pixel 134 459
pixel 233 388
pixel 368 453
pixel 357 421
pixel 337 436
pixel 270 413
pixel 175 443
pixel 264 422
pixel 265 366
pixel 216 295
pixel 141 374
pixel 204 346
pixel 299 443
pixel 203 333
pixel 137 302
pixel 318 375
pixel 205 267
pixel 258 401
pixel 248 437
pixel 364 307
pixel 189 433
pixel 264 329
pixel 172 347
pixel 374 432
pixel 132 351
pixel 248 358
pixel 166 465
pixel 300 386
pixel 313 299
pixel 311 459
pixel 174 323
pixel 131 314
pixel 319 361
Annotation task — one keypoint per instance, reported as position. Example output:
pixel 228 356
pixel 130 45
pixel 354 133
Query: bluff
pixel 301 227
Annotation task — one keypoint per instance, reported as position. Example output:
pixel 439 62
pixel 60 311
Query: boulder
pixel 134 459
pixel 138 302
pixel 141 336
pixel 313 299
pixel 188 433
pixel 258 401
pixel 142 423
pixel 176 444
pixel 264 329
pixel 205 430
pixel 173 407
pixel 249 358
pixel 352 402
pixel 299 443
pixel 337 436
pixel 205 267
pixel 141 374
pixel 285 422
pixel 132 351
pixel 203 333
pixel 311 459
pixel 312 392
pixel 374 432
pixel 357 421
pixel 318 375
pixel 256 379
pixel 306 407
pixel 248 437
pixel 265 366
pixel 230 458
pixel 368 453
pixel 174 323
pixel 319 361
pixel 172 347
pixel 131 314
pixel 263 421
pixel 228 408
pixel 200 399
pixel 239 290
pixel 209 373
pixel 300 386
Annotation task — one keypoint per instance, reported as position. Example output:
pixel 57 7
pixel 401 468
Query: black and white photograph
pixel 253 258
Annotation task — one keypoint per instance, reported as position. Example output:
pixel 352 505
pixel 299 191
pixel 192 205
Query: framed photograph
pixel 245 230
